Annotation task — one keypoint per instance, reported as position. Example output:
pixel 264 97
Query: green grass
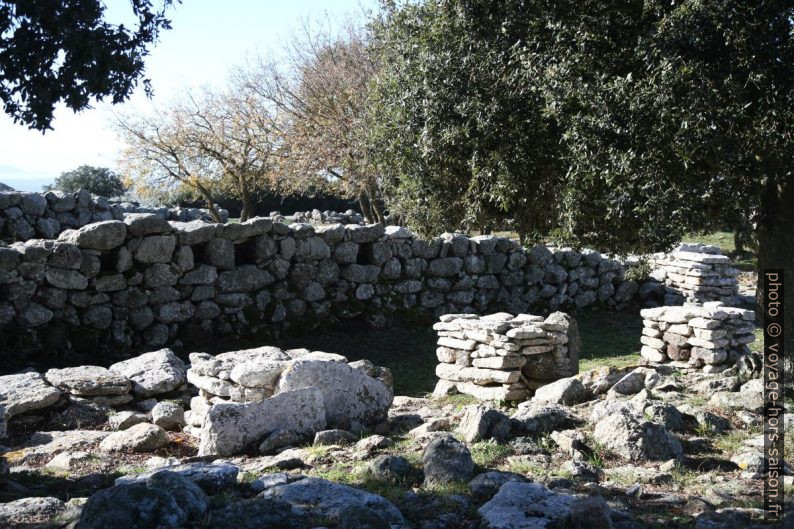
pixel 458 401
pixel 608 338
pixel 733 440
pixel 486 453
pixel 722 239
pixel 758 345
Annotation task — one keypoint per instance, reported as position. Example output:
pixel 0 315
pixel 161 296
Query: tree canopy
pixel 64 51
pixel 100 181
pixel 318 91
pixel 462 140
pixel 655 118
pixel 622 125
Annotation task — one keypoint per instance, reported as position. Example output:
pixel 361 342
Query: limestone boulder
pixel 125 419
pixel 26 391
pixel 485 485
pixel 104 235
pixel 327 500
pixel 637 440
pixel 143 437
pixel 36 509
pixel 256 513
pixel 140 224
pixel 566 391
pixel 526 506
pixel 230 428
pixel 349 394
pixel 152 373
pixel 533 418
pixel 480 423
pixel 446 460
pixel 88 381
pixel 211 477
pixel 168 415
pixel 134 505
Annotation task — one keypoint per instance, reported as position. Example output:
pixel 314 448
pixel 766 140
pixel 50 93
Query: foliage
pixel 319 91
pixel 215 142
pixel 673 115
pixel 57 51
pixel 159 156
pixel 623 124
pixel 461 139
pixel 100 181
pixel 640 271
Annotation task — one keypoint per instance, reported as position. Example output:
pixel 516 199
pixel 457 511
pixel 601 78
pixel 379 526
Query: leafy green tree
pixel 64 51
pixel 670 116
pixel 461 139
pixel 98 180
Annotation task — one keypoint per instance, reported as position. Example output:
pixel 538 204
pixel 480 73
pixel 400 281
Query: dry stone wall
pixel 712 336
pixel 316 216
pixel 504 357
pixel 25 216
pixel 146 282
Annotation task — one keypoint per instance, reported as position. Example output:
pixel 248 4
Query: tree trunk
pixel 210 205
pixel 377 211
pixel 775 231
pixel 363 203
pixel 738 240
pixel 248 207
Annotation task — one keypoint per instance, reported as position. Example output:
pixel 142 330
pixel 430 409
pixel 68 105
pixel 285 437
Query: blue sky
pixel 208 37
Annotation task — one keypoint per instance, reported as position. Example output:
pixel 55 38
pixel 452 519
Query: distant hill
pixel 4 187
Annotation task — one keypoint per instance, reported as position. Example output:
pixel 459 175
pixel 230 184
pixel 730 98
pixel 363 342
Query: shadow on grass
pixel 609 338
pixel 408 348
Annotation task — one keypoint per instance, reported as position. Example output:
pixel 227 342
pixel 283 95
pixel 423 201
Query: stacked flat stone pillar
pixel 504 357
pixel 710 336
pixel 697 273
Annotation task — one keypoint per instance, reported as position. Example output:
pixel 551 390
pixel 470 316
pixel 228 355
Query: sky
pixel 208 38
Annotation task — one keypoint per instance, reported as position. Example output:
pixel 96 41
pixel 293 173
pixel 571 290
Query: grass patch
pixel 609 338
pixel 732 441
pixel 685 478
pixel 758 345
pixel 526 469
pixel 486 453
pixel 458 401
pixel 447 489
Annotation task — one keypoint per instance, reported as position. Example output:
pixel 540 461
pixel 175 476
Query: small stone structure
pixel 696 273
pixel 255 375
pixel 504 357
pixel 25 216
pixel 709 336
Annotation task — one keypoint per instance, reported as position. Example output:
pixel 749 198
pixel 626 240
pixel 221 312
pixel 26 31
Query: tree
pixel 237 131
pixel 319 91
pixel 217 141
pixel 160 156
pixel 462 141
pixel 100 181
pixel 675 115
pixel 55 51
pixel 670 115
